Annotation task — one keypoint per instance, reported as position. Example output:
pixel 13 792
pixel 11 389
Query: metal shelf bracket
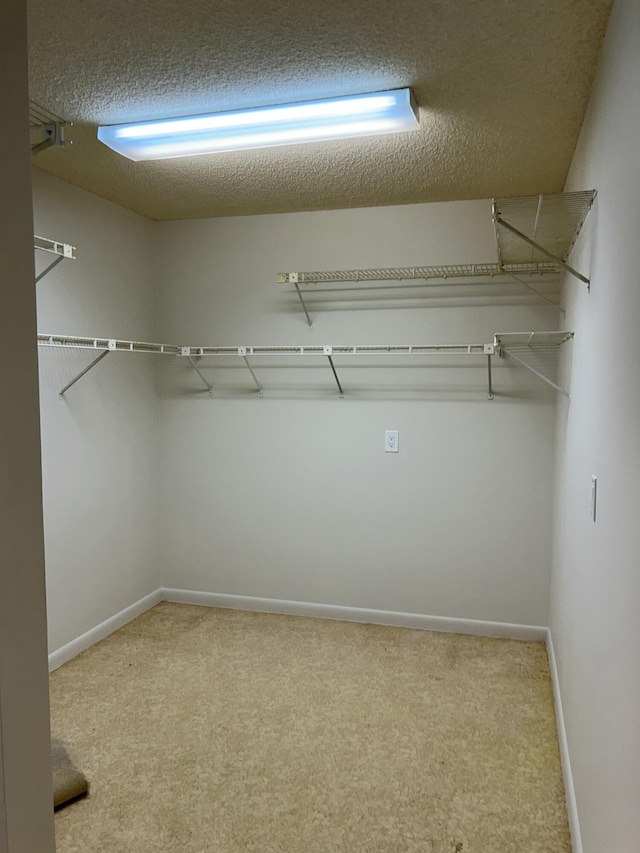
pixel 293 278
pixel 489 350
pixel 328 351
pixel 86 370
pixel 187 351
pixel 52 136
pixel 242 352
pixel 556 260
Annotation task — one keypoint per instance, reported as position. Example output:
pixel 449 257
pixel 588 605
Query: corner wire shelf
pixel 540 347
pixel 531 229
pixel 46 129
pixel 61 250
pixel 552 221
pixel 504 343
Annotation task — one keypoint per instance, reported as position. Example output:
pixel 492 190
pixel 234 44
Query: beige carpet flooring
pixel 215 730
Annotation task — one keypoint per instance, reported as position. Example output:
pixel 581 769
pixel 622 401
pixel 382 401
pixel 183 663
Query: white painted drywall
pixel 292 496
pixel 596 578
pixel 99 444
pixel 26 820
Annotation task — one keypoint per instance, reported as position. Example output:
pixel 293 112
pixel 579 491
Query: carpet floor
pixel 206 730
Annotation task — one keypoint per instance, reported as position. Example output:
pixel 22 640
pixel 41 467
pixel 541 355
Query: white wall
pixel 596 579
pixel 26 820
pixel 292 496
pixel 99 444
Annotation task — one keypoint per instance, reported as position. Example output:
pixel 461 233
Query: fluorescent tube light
pixel 291 124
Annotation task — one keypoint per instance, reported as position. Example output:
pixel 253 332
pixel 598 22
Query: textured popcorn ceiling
pixel 502 87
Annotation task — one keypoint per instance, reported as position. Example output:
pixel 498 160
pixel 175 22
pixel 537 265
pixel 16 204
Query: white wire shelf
pixel 537 352
pixel 531 340
pixel 503 343
pixel 106 344
pixel 429 273
pixel 534 236
pixel 341 349
pixel 56 247
pixel 62 251
pixel 532 229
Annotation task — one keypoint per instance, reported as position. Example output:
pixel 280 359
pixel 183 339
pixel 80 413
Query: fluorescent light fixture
pixel 291 124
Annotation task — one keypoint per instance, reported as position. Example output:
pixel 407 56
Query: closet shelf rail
pixel 510 344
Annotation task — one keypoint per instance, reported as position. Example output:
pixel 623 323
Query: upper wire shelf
pixel 534 236
pixel 532 229
pixel 429 273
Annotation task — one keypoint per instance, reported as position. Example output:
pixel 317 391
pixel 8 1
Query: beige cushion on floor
pixel 68 784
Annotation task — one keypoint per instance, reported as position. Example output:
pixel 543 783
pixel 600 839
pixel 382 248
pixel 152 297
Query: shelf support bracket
pixel 537 292
pixel 242 352
pixel 490 394
pixel 304 307
pixel 82 373
pixel 539 248
pixel 200 374
pixel 536 372
pixel 328 351
pixel 48 269
pixel 53 134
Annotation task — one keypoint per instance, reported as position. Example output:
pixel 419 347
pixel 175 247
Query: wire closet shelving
pixel 534 237
pixel 511 344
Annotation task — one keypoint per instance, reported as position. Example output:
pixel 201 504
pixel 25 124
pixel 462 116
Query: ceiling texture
pixel 502 87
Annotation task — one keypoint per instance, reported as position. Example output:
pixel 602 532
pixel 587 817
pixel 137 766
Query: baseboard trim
pixel 567 775
pixel 358 614
pixel 94 635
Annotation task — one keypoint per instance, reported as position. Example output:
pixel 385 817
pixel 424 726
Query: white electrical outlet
pixel 391 441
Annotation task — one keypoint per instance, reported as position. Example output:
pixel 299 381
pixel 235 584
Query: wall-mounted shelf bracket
pixel 61 251
pixel 328 351
pixel 46 129
pixel 83 372
pixel 529 227
pixel 242 352
pixel 293 278
pixel 489 350
pixel 187 351
pixel 52 135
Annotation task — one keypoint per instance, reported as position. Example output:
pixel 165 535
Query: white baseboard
pixel 358 614
pixel 567 776
pixel 94 635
